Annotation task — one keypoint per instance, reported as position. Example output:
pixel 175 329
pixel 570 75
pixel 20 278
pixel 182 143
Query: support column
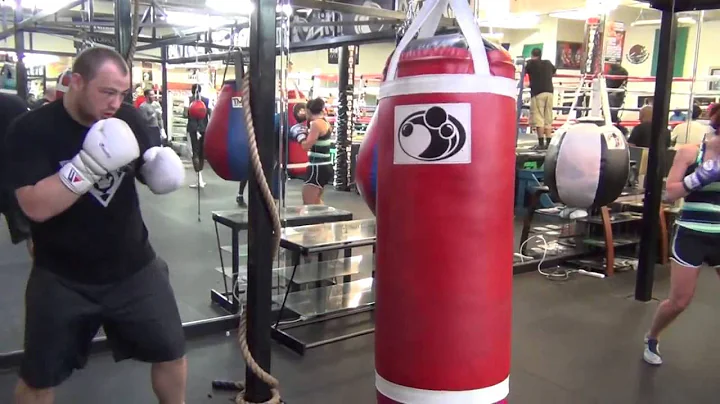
pixel 164 90
pixel 656 156
pixel 260 233
pixel 21 81
pixel 344 123
pixel 123 32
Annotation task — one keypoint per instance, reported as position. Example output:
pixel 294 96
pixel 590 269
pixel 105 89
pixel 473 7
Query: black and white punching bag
pixel 588 163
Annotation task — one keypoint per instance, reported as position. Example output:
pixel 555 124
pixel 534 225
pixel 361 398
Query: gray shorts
pixel 139 316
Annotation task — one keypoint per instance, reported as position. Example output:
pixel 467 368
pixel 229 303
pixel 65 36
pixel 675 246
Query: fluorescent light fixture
pixel 577 14
pixel 34 59
pixel 493 35
pixel 513 21
pixel 681 20
pixel 198 20
pixel 37 4
pixel 285 9
pixel 242 7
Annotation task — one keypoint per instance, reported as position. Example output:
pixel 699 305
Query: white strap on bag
pixel 571 113
pixel 604 100
pixel 426 23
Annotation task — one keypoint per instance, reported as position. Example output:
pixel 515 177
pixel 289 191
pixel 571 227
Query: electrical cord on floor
pixel 558 274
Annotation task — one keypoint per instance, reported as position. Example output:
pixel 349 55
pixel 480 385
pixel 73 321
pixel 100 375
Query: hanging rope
pixel 272 210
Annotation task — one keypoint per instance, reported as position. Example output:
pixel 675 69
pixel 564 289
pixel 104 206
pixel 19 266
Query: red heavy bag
pixel 366 165
pixel 295 97
pixel 446 156
pixel 297 162
pixel 197 110
pixel 226 141
pixel 63 84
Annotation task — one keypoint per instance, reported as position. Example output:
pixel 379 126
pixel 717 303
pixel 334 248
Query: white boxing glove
pixel 109 145
pixel 163 171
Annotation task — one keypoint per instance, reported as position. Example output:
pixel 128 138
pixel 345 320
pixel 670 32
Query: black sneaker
pixel 241 201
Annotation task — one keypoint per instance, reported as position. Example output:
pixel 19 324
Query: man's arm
pixel 40 192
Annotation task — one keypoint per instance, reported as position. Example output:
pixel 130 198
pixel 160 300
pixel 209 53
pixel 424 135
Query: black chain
pixel 412 8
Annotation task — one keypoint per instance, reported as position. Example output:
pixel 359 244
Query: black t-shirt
pixel 102 237
pixel 641 135
pixel 541 73
pixel 11 107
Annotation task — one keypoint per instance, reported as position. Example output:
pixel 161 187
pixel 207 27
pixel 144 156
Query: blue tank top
pixel 701 210
pixel 320 151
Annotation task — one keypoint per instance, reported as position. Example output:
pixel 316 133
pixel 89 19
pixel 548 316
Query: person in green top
pixel 318 143
pixel 695 176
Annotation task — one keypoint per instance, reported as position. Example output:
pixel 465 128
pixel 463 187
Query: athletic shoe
pixel 652 352
pixel 241 201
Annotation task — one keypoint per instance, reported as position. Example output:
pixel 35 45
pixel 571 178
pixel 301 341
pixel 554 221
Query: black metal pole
pixel 123 33
pixel 21 81
pixel 656 154
pixel 260 232
pixel 164 90
pixel 343 117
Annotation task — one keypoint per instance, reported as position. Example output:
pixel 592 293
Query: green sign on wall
pixel 527 49
pixel 680 48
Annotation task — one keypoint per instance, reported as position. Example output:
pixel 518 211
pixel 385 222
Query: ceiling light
pixel 681 20
pixel 513 21
pixel 242 7
pixel 578 14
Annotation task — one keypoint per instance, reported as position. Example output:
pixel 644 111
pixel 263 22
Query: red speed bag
pixel 446 123
pixel 197 110
pixel 226 141
pixel 295 97
pixel 366 165
pixel 63 84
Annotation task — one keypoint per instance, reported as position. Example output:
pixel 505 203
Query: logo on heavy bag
pixel 432 134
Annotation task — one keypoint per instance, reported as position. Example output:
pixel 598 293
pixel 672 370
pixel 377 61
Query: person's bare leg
pixel 168 381
pixel 682 288
pixel 311 195
pixel 25 394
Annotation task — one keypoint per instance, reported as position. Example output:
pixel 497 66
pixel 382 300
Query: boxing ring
pixel 637 92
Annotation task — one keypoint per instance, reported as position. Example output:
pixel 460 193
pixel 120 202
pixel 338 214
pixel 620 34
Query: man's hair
pixel 696 112
pixel 89 61
pixel 195 89
pixel 646 113
pixel 536 53
pixel 148 92
pixel 316 106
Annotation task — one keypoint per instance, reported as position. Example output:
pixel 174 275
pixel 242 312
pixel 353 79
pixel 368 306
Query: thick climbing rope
pixel 267 196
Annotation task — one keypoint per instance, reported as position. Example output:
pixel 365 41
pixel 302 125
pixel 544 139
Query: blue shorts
pixel 692 248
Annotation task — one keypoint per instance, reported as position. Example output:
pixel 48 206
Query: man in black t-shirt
pixel 11 107
pixel 73 165
pixel 642 134
pixel 541 73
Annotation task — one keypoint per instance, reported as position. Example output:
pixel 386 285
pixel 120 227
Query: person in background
pixel 692 131
pixel 678 116
pixel 148 111
pixel 196 133
pixel 48 97
pixel 541 73
pixel 616 99
pixel 642 134
pixel 318 143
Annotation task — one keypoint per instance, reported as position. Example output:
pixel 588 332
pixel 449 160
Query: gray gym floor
pixel 578 341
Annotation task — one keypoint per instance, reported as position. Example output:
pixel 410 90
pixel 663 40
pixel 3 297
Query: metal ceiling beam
pixel 70 54
pixel 305 46
pixel 76 34
pixel 359 10
pixel 28 22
